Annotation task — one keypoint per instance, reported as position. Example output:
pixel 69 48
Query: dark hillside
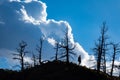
pixel 55 70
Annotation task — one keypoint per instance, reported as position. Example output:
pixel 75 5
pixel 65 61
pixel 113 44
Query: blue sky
pixel 86 18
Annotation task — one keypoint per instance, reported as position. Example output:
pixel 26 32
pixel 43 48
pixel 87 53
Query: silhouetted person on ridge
pixel 79 59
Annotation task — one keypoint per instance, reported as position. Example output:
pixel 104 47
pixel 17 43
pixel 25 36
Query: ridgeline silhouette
pixel 55 70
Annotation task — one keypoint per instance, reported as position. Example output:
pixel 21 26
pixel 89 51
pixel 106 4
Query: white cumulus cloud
pixel 52 41
pixel 27 20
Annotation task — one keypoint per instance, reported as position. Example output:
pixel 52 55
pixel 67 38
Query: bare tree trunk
pixel 111 73
pixel 21 54
pixel 99 57
pixel 100 49
pixel 22 64
pixel 116 49
pixel 39 49
pixel 66 46
pixel 34 59
pixel 56 54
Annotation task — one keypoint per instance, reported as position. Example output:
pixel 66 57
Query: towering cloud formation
pixel 27 20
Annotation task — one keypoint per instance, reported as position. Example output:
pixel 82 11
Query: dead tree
pixel 34 59
pixel 104 45
pixel 101 48
pixel 98 55
pixel 39 49
pixel 67 47
pixel 116 49
pixel 56 48
pixel 21 54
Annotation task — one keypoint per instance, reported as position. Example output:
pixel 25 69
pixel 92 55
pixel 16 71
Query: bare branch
pixel 21 53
